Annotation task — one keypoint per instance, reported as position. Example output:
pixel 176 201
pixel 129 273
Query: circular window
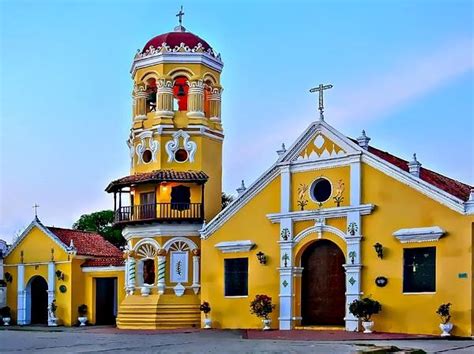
pixel 181 155
pixel 321 190
pixel 147 156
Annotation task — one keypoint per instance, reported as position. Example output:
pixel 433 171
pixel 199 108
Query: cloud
pixel 380 94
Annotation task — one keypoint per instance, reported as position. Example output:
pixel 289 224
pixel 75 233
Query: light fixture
pixel 262 258
pixel 164 185
pixel 59 275
pixel 379 249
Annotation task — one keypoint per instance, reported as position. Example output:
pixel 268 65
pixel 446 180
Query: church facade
pixel 332 220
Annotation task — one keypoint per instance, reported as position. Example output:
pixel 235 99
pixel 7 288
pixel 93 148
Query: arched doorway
pixel 38 292
pixel 323 284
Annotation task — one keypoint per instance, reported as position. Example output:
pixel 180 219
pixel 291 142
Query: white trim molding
pixel 235 246
pixel 103 269
pixel 336 212
pixel 419 234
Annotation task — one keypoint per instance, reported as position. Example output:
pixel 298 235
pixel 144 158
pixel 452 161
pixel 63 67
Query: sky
pixel 402 70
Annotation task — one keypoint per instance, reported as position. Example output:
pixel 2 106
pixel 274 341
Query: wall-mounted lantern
pixel 59 275
pixel 379 249
pixel 262 258
pixel 8 277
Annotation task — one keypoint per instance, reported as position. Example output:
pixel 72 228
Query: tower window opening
pixel 147 156
pixel 180 92
pixel 151 95
pixel 181 155
pixel 207 96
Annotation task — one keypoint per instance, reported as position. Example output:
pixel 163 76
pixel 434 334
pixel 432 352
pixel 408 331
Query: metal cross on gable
pixel 36 206
pixel 321 89
pixel 180 14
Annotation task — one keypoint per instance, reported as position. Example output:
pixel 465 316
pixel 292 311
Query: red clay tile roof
pixel 158 176
pixel 86 243
pixel 104 262
pixel 449 185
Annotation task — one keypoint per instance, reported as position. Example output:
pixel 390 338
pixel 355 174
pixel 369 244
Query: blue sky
pixel 401 70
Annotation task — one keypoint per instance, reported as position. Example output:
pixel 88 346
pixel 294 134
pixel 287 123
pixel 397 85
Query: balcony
pixel 160 212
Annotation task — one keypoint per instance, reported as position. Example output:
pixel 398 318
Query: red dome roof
pixel 174 39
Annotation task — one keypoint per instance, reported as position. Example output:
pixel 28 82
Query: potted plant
pixel 445 314
pixel 262 306
pixel 82 310
pixel 5 313
pixel 364 309
pixel 205 308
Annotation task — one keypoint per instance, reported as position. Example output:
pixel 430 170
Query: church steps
pixel 159 312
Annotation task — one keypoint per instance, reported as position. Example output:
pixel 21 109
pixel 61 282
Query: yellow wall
pixel 399 206
pixel 36 247
pixel 249 223
pixel 306 178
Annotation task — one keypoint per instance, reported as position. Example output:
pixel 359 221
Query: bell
pixel 181 92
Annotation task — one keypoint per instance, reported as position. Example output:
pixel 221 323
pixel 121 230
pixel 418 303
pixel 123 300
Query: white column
pixel 161 274
pixel 131 276
pixel 51 287
pixel 353 267
pixel 196 286
pixel 196 99
pixel 21 305
pixel 286 270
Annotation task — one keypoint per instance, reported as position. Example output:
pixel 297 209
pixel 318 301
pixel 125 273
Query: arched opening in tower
pixel 180 93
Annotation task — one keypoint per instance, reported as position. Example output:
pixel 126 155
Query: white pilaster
pixel 21 304
pixel 355 184
pixel 286 275
pixel 285 189
pixel 196 284
pixel 353 267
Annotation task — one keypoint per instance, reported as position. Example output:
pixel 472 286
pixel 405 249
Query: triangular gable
pixel 320 141
pixel 44 229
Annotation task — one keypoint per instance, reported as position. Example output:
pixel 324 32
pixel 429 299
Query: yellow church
pixel 334 219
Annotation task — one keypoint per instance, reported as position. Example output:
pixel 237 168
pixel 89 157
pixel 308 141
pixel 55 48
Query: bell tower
pixel 175 179
pixel 176 112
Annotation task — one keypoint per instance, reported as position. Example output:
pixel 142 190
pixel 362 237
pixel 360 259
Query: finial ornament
pixel 180 15
pixel 36 206
pixel 242 188
pixel 320 89
pixel 282 150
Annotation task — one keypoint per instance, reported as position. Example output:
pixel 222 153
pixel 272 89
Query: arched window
pixel 151 95
pixel 180 93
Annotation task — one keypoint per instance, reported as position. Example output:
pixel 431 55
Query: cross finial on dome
pixel 180 15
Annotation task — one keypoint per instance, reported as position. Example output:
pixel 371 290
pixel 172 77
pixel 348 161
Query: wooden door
pixel 147 205
pixel 323 284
